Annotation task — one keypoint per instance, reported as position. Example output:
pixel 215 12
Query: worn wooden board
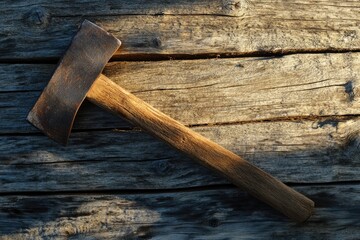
pixel 303 151
pixel 182 28
pixel 211 91
pixel 294 116
pixel 135 7
pixel 206 214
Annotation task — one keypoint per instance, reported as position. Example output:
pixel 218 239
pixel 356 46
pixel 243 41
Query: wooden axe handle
pixel 110 96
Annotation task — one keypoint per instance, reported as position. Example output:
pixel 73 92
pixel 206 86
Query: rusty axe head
pixel 55 110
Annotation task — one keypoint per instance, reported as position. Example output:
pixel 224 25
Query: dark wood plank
pixel 207 214
pixel 147 29
pixel 304 151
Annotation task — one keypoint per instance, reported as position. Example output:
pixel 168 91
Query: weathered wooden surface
pixel 292 151
pixel 222 161
pixel 212 91
pixel 43 29
pixel 296 143
pixel 204 214
pixel 295 116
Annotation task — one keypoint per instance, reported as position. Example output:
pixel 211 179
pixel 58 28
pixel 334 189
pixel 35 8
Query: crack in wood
pixel 153 57
pixel 320 119
pixel 167 190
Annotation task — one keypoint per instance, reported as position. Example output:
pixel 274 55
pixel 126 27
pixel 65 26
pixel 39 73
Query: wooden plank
pixel 211 91
pixel 207 214
pixel 300 152
pixel 43 30
pixel 135 7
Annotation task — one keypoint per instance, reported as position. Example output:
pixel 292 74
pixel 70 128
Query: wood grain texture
pixel 42 30
pixel 207 214
pixel 292 134
pixel 136 7
pixel 303 149
pixel 298 152
pixel 212 91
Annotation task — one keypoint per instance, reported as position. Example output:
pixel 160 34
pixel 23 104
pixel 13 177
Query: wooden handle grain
pixel 107 94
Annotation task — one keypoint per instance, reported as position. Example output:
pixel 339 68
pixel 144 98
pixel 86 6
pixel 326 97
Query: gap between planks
pixel 322 120
pixel 166 57
pixel 159 191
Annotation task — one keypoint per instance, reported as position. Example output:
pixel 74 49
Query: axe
pixel 78 76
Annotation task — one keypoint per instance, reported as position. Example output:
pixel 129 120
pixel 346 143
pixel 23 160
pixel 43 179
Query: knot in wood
pixel 349 35
pixel 163 167
pixel 37 17
pixel 235 7
pixel 157 42
pixel 214 222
